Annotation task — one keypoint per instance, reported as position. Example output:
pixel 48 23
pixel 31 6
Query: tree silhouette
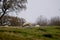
pixel 11 5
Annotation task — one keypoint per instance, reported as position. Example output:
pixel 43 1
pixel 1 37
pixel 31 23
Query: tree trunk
pixel 4 12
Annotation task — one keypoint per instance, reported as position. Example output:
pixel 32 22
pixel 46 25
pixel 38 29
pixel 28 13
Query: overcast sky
pixel 35 8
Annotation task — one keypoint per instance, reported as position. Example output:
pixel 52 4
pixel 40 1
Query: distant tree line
pixel 42 21
pixel 55 21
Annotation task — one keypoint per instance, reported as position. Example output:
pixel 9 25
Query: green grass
pixel 34 33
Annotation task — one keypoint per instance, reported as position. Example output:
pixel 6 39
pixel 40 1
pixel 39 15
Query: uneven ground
pixel 34 33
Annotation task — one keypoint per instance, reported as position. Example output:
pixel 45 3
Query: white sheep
pixel 27 24
pixel 37 25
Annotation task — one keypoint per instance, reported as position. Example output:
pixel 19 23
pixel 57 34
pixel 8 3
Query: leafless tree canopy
pixel 55 21
pixel 12 21
pixel 42 21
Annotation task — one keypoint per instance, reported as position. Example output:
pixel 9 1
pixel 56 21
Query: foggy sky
pixel 35 8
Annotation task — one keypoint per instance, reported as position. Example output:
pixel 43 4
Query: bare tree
pixel 55 21
pixel 42 21
pixel 12 21
pixel 11 5
pixel 22 21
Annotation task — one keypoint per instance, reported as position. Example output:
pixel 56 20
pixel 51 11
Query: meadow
pixel 30 33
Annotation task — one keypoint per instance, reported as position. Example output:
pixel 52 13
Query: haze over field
pixel 47 8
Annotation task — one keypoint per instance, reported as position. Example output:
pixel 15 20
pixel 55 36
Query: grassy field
pixel 34 33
